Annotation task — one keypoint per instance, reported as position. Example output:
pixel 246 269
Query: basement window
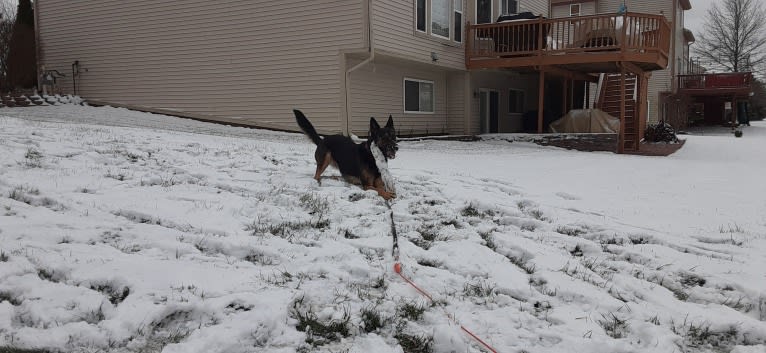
pixel 574 10
pixel 418 96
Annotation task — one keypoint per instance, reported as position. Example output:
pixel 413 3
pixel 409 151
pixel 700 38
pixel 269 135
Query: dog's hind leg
pixel 323 158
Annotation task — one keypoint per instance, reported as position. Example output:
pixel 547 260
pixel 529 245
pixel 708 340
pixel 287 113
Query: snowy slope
pixel 132 232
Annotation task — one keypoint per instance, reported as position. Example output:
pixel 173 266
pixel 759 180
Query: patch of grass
pixel 411 310
pixel 33 158
pixel 529 227
pixel 572 232
pixel 577 251
pixel 614 326
pixel 488 240
pixel 639 239
pixel 654 320
pixel 8 297
pixel 21 194
pixel 318 332
pixel 4 257
pixel 700 335
pixel 315 204
pixel 372 319
pixel 348 234
pixel 741 303
pixel 470 211
pixel 690 279
pixel 259 258
pixel 21 350
pixel 479 289
pixel 429 263
pixel 731 228
pixel 49 275
pixel 538 215
pixel 115 293
pixel 523 263
pixel 415 343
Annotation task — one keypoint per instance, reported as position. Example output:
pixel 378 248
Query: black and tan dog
pixel 355 161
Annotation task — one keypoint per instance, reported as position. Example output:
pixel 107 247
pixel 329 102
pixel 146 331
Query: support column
pixel 540 100
pixel 621 138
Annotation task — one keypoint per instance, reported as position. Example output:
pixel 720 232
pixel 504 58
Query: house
pixel 438 66
pixel 252 62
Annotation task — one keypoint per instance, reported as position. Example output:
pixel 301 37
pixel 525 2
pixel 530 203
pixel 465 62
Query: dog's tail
pixel 307 128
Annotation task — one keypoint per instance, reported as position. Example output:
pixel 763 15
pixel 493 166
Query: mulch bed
pixel 606 143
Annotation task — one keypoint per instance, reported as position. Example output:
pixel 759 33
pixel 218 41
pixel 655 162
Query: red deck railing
pixel 628 33
pixel 722 81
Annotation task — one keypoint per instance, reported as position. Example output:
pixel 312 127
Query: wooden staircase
pixel 609 102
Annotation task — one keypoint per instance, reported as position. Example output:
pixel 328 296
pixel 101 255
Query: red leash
pixel 398 270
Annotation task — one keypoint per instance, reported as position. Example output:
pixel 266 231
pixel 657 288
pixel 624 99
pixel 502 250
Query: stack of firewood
pixel 661 132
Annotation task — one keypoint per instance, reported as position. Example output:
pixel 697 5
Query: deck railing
pixel 630 32
pixel 733 80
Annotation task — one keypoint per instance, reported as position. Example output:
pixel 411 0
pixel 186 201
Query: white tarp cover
pixel 586 120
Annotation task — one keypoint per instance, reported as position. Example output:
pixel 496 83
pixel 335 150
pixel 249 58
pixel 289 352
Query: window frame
pixel 428 19
pixel 505 3
pixel 425 16
pixel 404 96
pixel 522 94
pixel 491 13
pixel 579 9
pixel 456 24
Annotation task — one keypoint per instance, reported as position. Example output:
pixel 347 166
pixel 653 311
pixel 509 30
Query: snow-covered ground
pixel 130 232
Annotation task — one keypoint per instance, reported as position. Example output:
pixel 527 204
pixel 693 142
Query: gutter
pixel 371 49
pixel 36 13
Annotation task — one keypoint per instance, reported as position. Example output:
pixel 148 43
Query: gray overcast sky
pixel 695 18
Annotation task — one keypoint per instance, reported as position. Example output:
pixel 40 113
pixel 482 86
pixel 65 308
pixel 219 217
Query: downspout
pixel 371 49
pixel 36 14
pixel 673 39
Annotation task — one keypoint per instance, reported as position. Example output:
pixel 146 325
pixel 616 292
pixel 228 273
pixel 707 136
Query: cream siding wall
pixel 395 35
pixel 456 102
pixel 536 7
pixel 248 61
pixel 586 8
pixel 377 90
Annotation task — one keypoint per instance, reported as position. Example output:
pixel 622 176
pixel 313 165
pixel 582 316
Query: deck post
pixel 540 99
pixel 564 96
pixel 621 138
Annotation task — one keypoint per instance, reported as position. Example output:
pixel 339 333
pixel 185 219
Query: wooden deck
pixel 735 84
pixel 586 44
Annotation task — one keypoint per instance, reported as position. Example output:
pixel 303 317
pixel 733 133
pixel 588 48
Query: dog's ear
pixel 390 123
pixel 374 127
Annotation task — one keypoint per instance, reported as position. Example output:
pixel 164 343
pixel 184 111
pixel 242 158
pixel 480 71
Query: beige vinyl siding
pixel 456 103
pixel 502 81
pixel 395 35
pixel 377 90
pixel 248 61
pixel 586 8
pixel 537 7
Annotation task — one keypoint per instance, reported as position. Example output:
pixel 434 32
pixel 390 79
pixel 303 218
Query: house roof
pixel 688 36
pixel 686 4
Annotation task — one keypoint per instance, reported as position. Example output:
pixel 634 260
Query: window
pixel 515 101
pixel 445 16
pixel 574 10
pixel 483 11
pixel 440 18
pixel 457 8
pixel 421 15
pixel 509 7
pixel 418 96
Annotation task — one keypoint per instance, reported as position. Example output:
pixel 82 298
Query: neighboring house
pixel 437 66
